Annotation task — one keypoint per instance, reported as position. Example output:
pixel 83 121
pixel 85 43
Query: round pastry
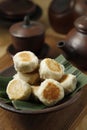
pixel 50 92
pixel 35 92
pixel 31 78
pixel 18 90
pixel 25 61
pixel 68 81
pixel 51 69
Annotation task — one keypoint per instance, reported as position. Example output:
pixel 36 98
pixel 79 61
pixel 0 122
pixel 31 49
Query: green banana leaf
pixel 22 105
pixel 27 105
pixel 69 68
pixel 3 84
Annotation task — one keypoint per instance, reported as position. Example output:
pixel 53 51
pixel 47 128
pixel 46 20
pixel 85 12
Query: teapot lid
pixel 26 28
pixel 81 24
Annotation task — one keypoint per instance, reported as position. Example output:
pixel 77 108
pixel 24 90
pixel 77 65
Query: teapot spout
pixel 62 46
pixel 69 51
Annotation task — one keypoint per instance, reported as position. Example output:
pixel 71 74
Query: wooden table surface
pixel 73 117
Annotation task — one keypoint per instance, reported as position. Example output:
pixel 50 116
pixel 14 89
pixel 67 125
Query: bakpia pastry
pixel 44 81
pixel 50 69
pixel 31 78
pixel 18 90
pixel 34 92
pixel 50 92
pixel 25 61
pixel 68 81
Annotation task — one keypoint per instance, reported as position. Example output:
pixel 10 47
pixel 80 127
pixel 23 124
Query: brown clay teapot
pixel 75 44
pixel 27 35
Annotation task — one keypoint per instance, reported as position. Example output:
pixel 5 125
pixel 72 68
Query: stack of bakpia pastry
pixel 46 80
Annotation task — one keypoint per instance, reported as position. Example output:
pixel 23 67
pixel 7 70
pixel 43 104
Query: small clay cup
pixel 61 15
pixel 27 35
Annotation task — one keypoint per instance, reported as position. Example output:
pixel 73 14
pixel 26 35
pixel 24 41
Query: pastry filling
pixel 52 65
pixel 63 78
pixel 51 92
pixel 25 57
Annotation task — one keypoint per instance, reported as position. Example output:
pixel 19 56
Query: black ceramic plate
pixel 81 78
pixel 33 16
pixel 42 53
